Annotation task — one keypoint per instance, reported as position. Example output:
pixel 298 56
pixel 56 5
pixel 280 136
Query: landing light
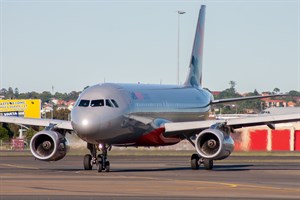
pixel 85 122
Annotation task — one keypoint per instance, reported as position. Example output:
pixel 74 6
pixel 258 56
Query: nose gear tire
pixel 87 162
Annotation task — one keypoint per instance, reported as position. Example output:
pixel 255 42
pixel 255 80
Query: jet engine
pixel 49 146
pixel 214 143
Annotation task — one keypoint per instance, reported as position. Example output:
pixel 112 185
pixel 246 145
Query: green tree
pixel 4 134
pixel 255 104
pixel 3 92
pixel 276 90
pixel 62 114
pixel 72 96
pixel 7 127
pixel 294 93
pixel 59 95
pixel 29 134
pixel 10 93
pixel 232 84
pixel 16 93
pixel 229 92
pixel 45 96
pixel 32 95
pixel 225 94
pixel 255 93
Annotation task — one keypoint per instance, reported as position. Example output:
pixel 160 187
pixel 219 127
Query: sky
pixel 69 45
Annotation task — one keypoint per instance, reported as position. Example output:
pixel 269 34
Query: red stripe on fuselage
pixel 156 138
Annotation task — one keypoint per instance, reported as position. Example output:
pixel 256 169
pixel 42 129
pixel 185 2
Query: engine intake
pixel 214 144
pixel 49 145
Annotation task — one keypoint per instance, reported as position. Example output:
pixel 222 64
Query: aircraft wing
pixel 228 100
pixel 192 128
pixel 60 124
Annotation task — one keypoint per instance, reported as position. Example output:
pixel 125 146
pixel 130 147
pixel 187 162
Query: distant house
pixel 275 103
pixel 215 93
pixel 47 108
pixel 61 102
pixel 61 107
pixel 297 99
pixel 291 104
pixel 70 104
pixel 54 101
pixel 265 94
pixel 250 111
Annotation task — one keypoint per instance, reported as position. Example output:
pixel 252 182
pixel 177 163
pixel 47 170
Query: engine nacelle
pixel 214 144
pixel 49 146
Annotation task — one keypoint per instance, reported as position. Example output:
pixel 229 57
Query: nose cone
pixel 84 122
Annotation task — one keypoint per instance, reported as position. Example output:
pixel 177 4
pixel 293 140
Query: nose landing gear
pixel 103 163
pixel 100 161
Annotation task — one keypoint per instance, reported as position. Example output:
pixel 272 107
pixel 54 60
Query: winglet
pixel 194 77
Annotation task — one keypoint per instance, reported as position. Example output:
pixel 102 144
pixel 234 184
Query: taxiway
pixel 151 177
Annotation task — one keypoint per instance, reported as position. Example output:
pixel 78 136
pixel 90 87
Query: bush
pixel 4 134
pixel 30 133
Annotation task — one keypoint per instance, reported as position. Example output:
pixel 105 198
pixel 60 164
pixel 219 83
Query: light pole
pixel 179 13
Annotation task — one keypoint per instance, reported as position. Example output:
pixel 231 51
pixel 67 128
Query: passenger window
pixel 108 103
pixel 84 103
pixel 115 103
pixel 97 103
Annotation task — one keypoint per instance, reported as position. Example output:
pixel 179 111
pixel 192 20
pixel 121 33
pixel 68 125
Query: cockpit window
pixel 108 103
pixel 84 103
pixel 115 103
pixel 97 103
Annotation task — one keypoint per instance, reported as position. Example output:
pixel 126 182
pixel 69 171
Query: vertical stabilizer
pixel 194 78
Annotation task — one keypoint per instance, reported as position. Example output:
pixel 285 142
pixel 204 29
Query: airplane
pixel 112 114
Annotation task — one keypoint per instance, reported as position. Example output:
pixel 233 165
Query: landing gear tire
pixel 195 161
pixel 100 161
pixel 208 164
pixel 87 162
pixel 103 163
pixel 107 166
pixel 99 167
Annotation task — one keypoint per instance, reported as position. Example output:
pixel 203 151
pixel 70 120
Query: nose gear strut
pixel 103 163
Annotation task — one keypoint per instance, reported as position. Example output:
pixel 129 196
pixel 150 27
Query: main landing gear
pixel 100 161
pixel 196 161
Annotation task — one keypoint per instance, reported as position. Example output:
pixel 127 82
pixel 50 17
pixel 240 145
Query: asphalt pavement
pixel 151 177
